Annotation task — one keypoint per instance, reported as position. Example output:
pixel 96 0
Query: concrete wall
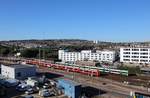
pixel 70 89
pixel 12 72
pixel 8 71
pixel 25 72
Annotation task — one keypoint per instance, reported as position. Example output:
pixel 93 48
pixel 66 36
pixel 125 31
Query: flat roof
pixel 70 82
pixel 20 65
pixel 147 47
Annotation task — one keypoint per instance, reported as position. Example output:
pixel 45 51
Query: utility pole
pixel 39 55
pixel 44 47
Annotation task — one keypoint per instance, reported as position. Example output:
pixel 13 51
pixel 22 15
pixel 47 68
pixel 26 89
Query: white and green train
pixel 101 69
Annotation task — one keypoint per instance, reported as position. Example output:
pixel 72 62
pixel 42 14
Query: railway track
pixel 110 86
pixel 97 82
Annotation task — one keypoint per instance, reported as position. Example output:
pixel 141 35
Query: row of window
pixel 136 56
pixel 127 49
pixel 137 60
pixel 67 56
pixel 142 53
pixel 87 54
pixel 87 57
pixel 67 59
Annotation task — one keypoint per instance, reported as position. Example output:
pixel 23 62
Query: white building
pixel 135 55
pixel 18 71
pixel 95 41
pixel 66 56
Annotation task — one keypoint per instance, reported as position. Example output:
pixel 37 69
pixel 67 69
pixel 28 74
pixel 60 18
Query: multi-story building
pixel 66 56
pixel 135 55
pixel 18 71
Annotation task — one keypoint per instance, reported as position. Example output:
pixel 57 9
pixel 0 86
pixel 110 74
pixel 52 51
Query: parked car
pixel 10 83
pixel 45 93
pixel 29 91
pixel 23 87
pixel 32 90
pixel 46 86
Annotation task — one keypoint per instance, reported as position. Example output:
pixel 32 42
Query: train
pixel 141 95
pixel 76 69
pixel 87 70
pixel 101 69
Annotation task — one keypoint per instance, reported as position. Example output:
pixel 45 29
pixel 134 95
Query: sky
pixel 104 20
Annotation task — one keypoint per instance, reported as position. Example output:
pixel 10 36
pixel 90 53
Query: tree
pixel 4 51
pixel 131 70
pixel 30 53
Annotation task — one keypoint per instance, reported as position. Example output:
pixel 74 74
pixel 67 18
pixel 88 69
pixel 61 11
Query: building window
pixel 107 55
pixel 143 60
pixel 126 49
pixel 126 59
pixel 135 53
pixel 143 56
pixel 19 74
pixel 135 49
pixel 126 56
pixel 144 53
pixel 143 49
pixel 135 60
pixel 126 53
pixel 135 56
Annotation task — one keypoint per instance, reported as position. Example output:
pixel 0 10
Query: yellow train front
pixel 141 95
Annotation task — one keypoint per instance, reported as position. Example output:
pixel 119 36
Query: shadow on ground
pixel 91 92
pixel 50 75
pixel 12 93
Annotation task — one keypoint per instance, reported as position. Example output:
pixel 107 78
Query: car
pixel 46 86
pixel 23 88
pixel 29 91
pixel 32 90
pixel 8 85
pixel 45 93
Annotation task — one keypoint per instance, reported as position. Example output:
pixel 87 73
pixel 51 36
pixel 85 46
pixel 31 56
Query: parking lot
pixel 31 88
pixel 11 92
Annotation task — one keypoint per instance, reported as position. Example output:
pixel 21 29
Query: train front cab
pixel 141 95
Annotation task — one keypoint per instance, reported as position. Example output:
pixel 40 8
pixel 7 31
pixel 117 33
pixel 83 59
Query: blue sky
pixel 106 20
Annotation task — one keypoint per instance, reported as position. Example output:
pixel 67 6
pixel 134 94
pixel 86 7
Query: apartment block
pixel 135 55
pixel 67 56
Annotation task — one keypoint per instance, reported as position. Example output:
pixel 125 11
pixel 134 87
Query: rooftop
pixel 89 51
pixel 67 81
pixel 20 65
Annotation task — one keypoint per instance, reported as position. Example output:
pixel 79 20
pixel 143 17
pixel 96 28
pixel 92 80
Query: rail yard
pixel 121 85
